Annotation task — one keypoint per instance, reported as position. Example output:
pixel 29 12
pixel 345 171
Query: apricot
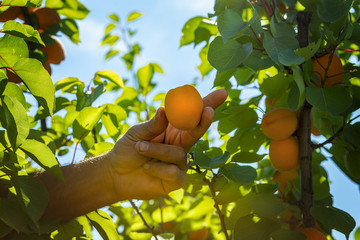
pixel 55 52
pixel 10 14
pixel 312 234
pixel 279 123
pixel 284 178
pixel 12 77
pixel 169 225
pixel 183 107
pixel 201 234
pixel 47 66
pixel 284 154
pixel 335 70
pixel 47 17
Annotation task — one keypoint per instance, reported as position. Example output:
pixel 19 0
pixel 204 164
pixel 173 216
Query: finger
pixel 149 129
pixel 163 152
pixel 215 98
pixel 167 172
pixel 205 122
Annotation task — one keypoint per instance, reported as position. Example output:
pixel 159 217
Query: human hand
pixel 150 159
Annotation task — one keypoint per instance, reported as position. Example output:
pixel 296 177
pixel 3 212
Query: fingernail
pixel 143 146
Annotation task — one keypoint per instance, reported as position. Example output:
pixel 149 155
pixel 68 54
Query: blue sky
pixel 159 32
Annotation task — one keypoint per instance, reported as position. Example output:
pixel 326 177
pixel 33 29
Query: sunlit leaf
pixel 239 174
pixel 133 16
pixel 23 31
pixel 103 224
pixel 86 121
pixel 43 156
pixel 11 50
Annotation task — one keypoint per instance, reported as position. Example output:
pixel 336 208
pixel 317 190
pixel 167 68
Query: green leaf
pixel 189 29
pixel 204 67
pixel 114 17
pixel 133 16
pixel 274 86
pixel 224 56
pixel 258 61
pixel 267 205
pixel 332 10
pixel 11 50
pixel 68 85
pixel 33 195
pixel 247 157
pixel 86 121
pixel 14 91
pixel 70 230
pixel 177 195
pixel 110 40
pixel 357 234
pixel 99 148
pixel 229 193
pixel 327 99
pixel 239 174
pixel 12 214
pixel 109 28
pixel 111 76
pixel 23 31
pixel 351 134
pixel 111 119
pixel 111 53
pixel 223 77
pixel 230 23
pixel 70 29
pixel 246 228
pixel 73 9
pixel 209 163
pixel 165 214
pixel 103 224
pixel 334 218
pixel 43 156
pixel 144 75
pixel 38 80
pixel 281 49
pixel 308 51
pixel 17 121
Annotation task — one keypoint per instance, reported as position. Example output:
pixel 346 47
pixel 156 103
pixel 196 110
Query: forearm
pixel 87 187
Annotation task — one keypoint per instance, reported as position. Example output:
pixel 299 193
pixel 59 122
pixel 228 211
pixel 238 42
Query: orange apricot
pixel 284 178
pixel 183 107
pixel 10 14
pixel 279 123
pixel 47 17
pixel 47 66
pixel 12 77
pixel 169 225
pixel 312 234
pixel 201 234
pixel 55 52
pixel 284 154
pixel 335 70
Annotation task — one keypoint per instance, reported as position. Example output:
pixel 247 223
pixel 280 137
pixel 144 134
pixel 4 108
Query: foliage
pixel 229 190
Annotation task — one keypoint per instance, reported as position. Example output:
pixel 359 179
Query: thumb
pixel 150 129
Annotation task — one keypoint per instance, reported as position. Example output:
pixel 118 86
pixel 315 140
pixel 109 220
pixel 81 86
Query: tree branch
pixel 304 134
pixel 143 219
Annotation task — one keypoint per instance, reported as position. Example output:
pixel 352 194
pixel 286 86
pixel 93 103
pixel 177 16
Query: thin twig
pixel 143 219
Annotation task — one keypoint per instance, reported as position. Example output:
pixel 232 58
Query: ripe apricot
pixel 47 66
pixel 10 14
pixel 47 17
pixel 284 154
pixel 12 77
pixel 335 70
pixel 169 225
pixel 279 123
pixel 284 178
pixel 312 234
pixel 201 234
pixel 183 107
pixel 55 52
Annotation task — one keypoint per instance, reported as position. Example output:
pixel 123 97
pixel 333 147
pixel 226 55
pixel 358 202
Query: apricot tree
pixel 302 56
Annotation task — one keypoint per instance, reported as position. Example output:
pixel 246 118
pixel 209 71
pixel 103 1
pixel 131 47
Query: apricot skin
pixel 183 107
pixel 284 154
pixel 279 123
